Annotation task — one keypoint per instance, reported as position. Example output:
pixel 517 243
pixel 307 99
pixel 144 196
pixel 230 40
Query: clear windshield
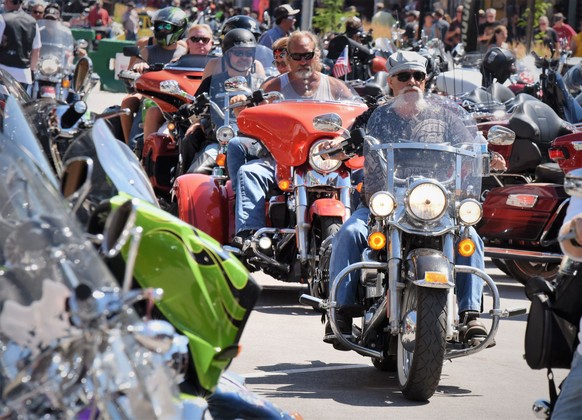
pixel 117 169
pixel 10 87
pixel 425 140
pixel 43 252
pixel 328 89
pixel 58 42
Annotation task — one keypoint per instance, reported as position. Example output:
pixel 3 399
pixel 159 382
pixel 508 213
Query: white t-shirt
pixel 21 75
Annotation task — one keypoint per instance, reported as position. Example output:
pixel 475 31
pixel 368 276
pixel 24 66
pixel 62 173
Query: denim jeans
pixel 240 151
pixel 351 240
pixel 569 404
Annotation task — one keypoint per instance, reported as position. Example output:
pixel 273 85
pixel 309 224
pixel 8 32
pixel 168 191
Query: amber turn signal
pixel 284 185
pixel 66 83
pixel 466 247
pixel 221 159
pixel 377 241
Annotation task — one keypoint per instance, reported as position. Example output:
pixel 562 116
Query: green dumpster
pixel 87 34
pixel 108 61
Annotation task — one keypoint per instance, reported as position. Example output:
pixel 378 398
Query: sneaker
pixel 472 330
pixel 345 326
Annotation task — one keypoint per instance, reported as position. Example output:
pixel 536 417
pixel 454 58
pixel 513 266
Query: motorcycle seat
pixel 482 99
pixel 538 122
pixel 500 92
pixel 549 172
pixel 518 100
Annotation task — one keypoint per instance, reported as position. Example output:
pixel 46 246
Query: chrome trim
pixel 518 254
pixel 301 209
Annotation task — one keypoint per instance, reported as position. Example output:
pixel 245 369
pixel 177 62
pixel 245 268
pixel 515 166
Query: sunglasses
pixel 203 39
pixel 405 76
pixel 302 56
pixel 282 53
pixel 163 26
pixel 239 53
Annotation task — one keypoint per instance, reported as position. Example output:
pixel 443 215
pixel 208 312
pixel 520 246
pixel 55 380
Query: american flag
pixel 342 64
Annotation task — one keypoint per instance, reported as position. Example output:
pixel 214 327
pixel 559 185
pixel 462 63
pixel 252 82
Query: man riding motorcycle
pixel 252 178
pixel 408 116
pixel 238 48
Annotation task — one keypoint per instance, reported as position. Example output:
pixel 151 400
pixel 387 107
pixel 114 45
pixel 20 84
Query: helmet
pixel 239 38
pixel 169 25
pixel 241 22
pixel 498 63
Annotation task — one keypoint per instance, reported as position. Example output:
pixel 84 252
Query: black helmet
pixel 169 25
pixel 238 38
pixel 242 22
pixel 498 63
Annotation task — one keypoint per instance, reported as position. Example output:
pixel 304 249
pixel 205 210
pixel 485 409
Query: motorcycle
pixel 169 249
pixel 53 75
pixel 312 198
pixel 426 204
pixel 71 344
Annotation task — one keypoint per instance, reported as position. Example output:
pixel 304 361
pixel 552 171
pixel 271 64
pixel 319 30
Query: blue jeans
pixel 240 151
pixel 569 404
pixel 351 240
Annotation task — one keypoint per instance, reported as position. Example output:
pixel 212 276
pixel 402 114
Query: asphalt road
pixel 285 360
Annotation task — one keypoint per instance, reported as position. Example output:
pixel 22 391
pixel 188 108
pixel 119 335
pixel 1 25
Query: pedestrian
pixel 544 34
pixel 441 24
pixel 19 42
pixel 36 9
pixel 453 35
pixel 486 28
pixel 98 16
pixel 410 33
pixel 565 32
pixel 576 44
pixel 130 21
pixel 499 38
pixel 284 25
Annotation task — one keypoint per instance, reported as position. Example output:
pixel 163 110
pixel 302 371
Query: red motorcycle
pixel 520 223
pixel 313 196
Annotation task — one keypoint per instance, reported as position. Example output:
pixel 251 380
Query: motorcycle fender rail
pixel 430 268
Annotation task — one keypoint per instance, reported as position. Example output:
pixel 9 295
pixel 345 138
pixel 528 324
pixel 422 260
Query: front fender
pixel 203 204
pixel 421 261
pixel 328 207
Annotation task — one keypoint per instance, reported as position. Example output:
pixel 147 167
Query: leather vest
pixel 16 43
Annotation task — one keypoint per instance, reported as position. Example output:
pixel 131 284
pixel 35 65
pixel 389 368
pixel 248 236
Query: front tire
pixel 422 341
pixel 321 246
pixel 523 271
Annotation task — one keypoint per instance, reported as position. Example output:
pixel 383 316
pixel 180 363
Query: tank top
pixel 323 92
pixel 156 54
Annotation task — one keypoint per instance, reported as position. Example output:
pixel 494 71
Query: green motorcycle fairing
pixel 208 293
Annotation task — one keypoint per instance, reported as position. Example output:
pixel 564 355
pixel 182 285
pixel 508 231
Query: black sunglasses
pixel 405 76
pixel 240 53
pixel 302 56
pixel 203 39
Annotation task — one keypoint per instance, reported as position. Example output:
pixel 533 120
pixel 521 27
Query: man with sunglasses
pixel 19 42
pixel 284 25
pixel 408 115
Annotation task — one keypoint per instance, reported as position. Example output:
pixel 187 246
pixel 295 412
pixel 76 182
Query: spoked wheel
pixel 523 271
pixel 422 341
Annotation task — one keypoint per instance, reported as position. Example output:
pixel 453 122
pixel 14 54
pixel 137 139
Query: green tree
pixel 330 17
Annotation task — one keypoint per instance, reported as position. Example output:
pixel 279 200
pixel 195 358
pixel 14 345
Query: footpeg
pixel 315 303
pixel 506 313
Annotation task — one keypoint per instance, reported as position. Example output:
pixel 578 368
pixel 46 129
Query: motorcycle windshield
pixel 16 129
pixel 116 168
pixel 264 55
pixel 329 90
pixel 428 150
pixel 57 43
pixel 44 255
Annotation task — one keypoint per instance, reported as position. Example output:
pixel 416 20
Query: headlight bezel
pixel 332 165
pixel 225 134
pixel 49 66
pixel 470 205
pixel 417 188
pixel 382 204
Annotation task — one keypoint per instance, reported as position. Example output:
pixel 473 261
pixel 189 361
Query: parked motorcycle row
pixel 119 275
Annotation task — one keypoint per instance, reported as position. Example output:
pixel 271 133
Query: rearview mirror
pixel 328 122
pixel 500 136
pixel 76 180
pixel 118 227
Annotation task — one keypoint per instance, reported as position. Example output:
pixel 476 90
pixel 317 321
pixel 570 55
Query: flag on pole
pixel 342 64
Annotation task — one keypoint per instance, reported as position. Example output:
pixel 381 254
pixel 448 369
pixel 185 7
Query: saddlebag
pixel 551 335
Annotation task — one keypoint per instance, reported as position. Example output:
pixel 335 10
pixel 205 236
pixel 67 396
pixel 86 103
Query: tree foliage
pixel 330 17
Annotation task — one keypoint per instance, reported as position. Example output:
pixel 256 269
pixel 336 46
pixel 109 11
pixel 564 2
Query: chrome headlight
pixel 320 164
pixel 382 204
pixel 49 66
pixel 426 201
pixel 224 134
pixel 470 212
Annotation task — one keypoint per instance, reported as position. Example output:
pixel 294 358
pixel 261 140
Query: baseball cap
pixel 405 61
pixel 558 17
pixel 285 11
pixel 439 13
